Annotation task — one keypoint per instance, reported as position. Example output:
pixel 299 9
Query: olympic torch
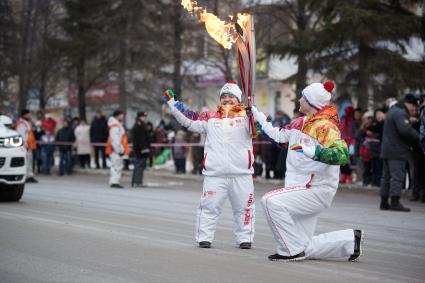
pixel 247 59
pixel 241 30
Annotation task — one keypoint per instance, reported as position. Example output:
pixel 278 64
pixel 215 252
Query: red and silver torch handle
pixel 247 60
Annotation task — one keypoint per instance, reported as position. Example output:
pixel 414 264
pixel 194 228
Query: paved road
pixel 76 229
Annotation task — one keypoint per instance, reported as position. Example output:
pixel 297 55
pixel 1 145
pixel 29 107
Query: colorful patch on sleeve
pixel 323 126
pixel 335 154
pixel 297 147
pixel 190 114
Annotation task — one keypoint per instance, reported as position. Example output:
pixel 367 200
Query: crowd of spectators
pixel 373 144
pixel 368 139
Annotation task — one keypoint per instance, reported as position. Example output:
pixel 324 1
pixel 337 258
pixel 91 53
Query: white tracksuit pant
pixel 117 165
pixel 292 214
pixel 240 191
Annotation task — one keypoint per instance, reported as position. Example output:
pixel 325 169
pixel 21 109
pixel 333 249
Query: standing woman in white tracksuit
pixel 312 176
pixel 116 147
pixel 227 164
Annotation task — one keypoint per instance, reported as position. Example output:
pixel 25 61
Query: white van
pixel 12 162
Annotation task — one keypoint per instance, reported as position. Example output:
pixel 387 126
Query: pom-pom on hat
pixel 318 95
pixel 232 88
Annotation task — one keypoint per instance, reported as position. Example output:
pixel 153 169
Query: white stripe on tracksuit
pixel 292 211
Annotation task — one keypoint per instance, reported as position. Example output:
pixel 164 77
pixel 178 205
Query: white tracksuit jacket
pixel 228 160
pixel 310 186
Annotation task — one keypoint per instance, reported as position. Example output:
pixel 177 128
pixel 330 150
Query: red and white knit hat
pixel 232 88
pixel 318 95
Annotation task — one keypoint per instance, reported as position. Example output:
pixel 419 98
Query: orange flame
pixel 223 32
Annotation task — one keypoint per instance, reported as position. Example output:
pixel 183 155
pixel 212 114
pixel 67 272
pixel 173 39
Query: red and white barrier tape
pixel 152 144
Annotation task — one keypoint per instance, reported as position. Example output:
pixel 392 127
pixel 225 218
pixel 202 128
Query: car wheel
pixel 11 192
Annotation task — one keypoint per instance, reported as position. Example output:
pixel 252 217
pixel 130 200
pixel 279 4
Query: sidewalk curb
pixel 273 183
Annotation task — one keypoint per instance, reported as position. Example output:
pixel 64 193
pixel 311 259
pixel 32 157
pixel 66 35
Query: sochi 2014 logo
pixel 248 209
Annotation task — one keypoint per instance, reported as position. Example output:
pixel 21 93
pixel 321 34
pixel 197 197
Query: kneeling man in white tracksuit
pixel 312 176
pixel 227 164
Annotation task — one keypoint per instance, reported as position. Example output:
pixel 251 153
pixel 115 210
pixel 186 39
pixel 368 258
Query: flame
pixel 188 5
pixel 242 19
pixel 223 32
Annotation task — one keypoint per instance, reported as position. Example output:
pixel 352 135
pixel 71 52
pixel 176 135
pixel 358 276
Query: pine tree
pixel 8 47
pixel 85 43
pixel 363 46
pixel 295 23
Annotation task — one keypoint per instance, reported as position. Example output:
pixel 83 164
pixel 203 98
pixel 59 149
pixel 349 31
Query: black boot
pixel 205 245
pixel 31 180
pixel 116 186
pixel 358 241
pixel 397 206
pixel 278 257
pixel 384 204
pixel 245 246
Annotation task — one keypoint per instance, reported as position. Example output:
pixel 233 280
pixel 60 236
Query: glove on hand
pixel 308 150
pixel 169 97
pixel 258 116
pixel 248 111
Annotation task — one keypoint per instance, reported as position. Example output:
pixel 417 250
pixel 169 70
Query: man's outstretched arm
pixel 177 109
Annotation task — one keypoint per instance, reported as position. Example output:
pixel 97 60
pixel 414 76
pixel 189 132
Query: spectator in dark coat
pixel 375 132
pixel 365 150
pixel 141 148
pixel 422 139
pixel 422 126
pixel 269 153
pixel 38 133
pixel 99 134
pixel 417 161
pixel 397 141
pixel 197 154
pixel 152 139
pixel 281 120
pixel 65 134
pixel 180 153
pixel 160 137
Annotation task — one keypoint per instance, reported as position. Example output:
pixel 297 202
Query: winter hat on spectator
pixel 24 112
pixel 232 88
pixel 142 114
pixel 411 98
pixel 117 112
pixel 318 95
